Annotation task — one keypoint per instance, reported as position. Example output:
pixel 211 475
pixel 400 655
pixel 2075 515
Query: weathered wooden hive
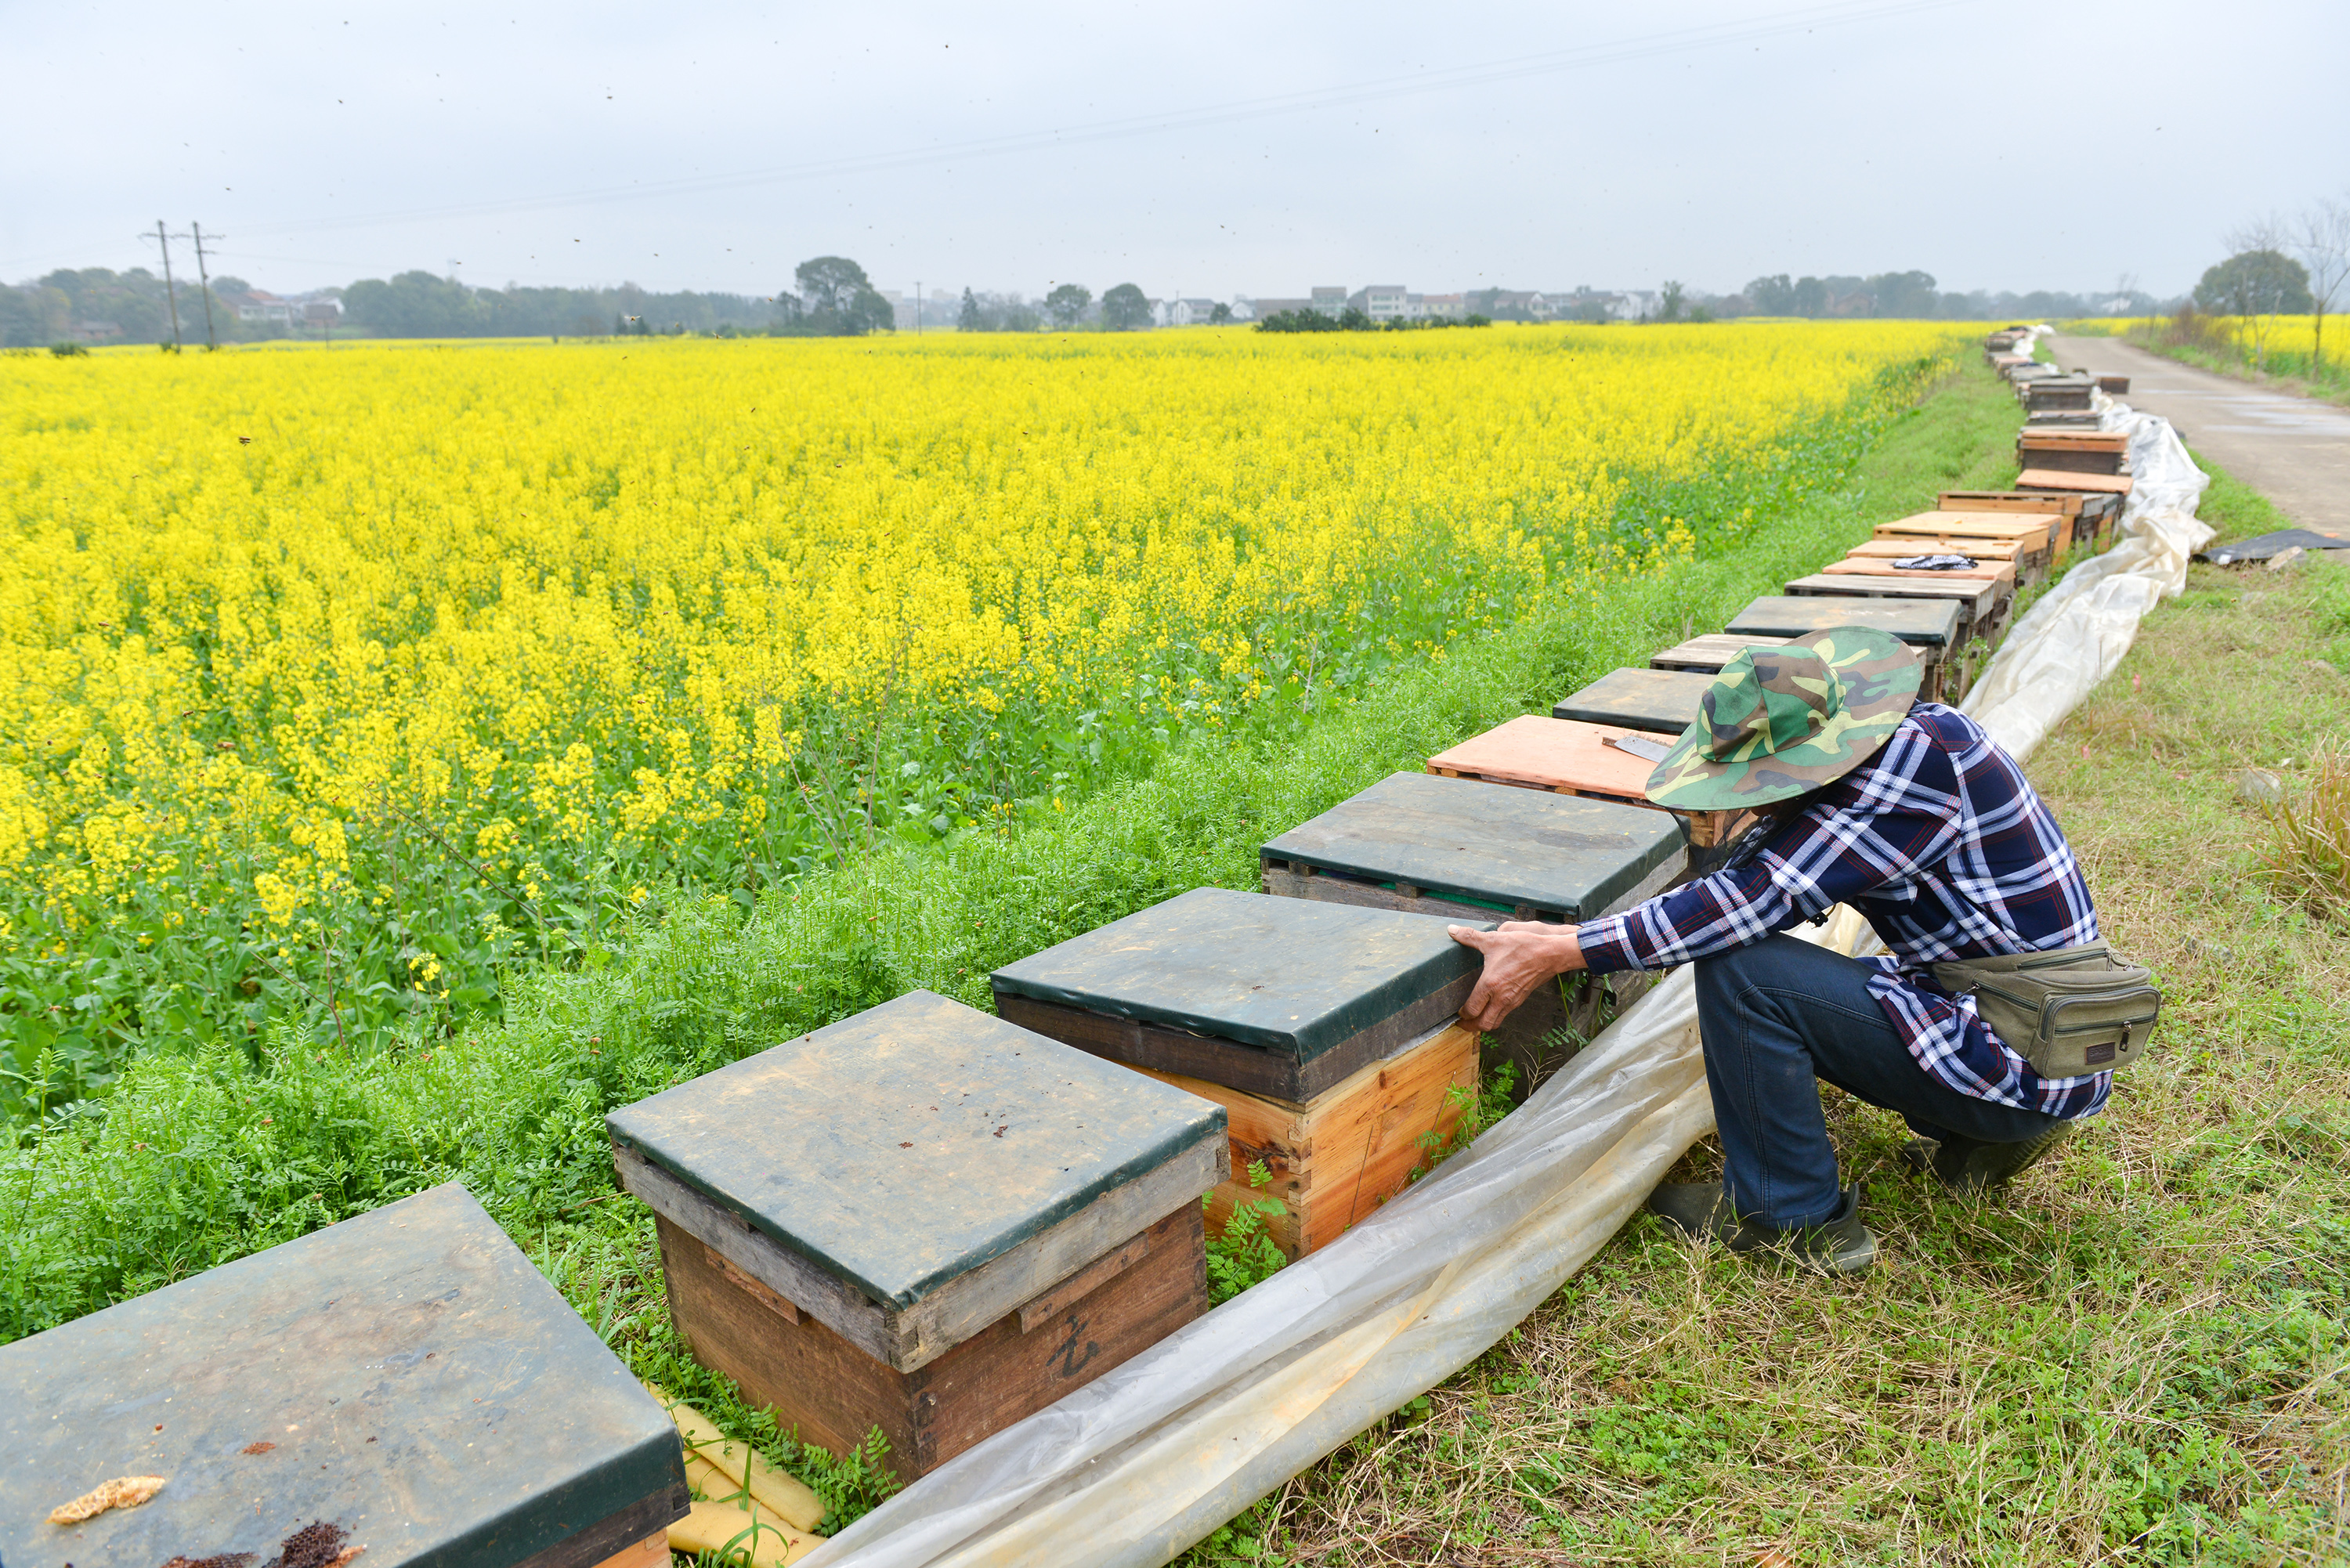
pixel 922 1218
pixel 405 1384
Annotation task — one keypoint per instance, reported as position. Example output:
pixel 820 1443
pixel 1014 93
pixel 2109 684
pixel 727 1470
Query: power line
pixel 169 293
pixel 204 277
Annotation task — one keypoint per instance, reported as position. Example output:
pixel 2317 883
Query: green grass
pixel 2140 1354
pixel 2287 371
pixel 194 1159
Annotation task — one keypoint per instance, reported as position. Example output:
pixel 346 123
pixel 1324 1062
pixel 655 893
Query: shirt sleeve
pixel 1870 829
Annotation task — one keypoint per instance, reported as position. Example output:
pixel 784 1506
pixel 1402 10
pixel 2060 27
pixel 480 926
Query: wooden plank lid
pixel 1553 754
pixel 1566 859
pixel 1927 621
pixel 2032 529
pixel 2058 479
pixel 1987 550
pixel 1976 594
pixel 1286 976
pixel 1707 654
pixel 1664 702
pixel 2008 501
pixel 905 1147
pixel 406 1377
pixel 1880 565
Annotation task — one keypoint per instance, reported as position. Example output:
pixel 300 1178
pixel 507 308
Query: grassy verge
pixel 2141 1354
pixel 2289 372
pixel 195 1159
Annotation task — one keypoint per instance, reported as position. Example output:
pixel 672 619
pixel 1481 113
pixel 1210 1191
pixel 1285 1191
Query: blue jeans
pixel 1778 1014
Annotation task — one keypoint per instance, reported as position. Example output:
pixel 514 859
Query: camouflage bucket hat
pixel 1779 722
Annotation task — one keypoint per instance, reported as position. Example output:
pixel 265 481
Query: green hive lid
pixel 1288 975
pixel 903 1147
pixel 501 1426
pixel 1926 621
pixel 1662 700
pixel 1496 844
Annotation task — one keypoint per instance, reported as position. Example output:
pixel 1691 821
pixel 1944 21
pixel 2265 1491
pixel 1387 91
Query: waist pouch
pixel 2070 1012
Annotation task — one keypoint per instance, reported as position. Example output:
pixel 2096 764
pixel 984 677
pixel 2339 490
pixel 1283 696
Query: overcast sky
pixel 1210 149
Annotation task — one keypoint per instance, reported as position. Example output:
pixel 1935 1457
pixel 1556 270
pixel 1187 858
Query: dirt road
pixel 2294 451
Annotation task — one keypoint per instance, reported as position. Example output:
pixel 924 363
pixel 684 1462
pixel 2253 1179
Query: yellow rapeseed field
pixel 328 676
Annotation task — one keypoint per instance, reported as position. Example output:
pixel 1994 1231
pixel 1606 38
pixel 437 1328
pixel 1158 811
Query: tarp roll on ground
pixel 1133 1469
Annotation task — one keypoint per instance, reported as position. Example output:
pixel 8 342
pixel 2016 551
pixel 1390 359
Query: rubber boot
pixel 1963 1165
pixel 1840 1244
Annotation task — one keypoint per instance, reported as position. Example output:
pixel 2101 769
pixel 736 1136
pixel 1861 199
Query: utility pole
pixel 164 240
pixel 205 278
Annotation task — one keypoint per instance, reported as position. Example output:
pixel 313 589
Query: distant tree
pixel 1810 298
pixel 20 319
pixel 2258 282
pixel 1772 296
pixel 2321 236
pixel 970 320
pixel 1221 315
pixel 1907 295
pixel 837 300
pixel 1668 305
pixel 1067 303
pixel 1125 308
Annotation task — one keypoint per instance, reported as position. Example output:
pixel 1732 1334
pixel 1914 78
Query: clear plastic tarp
pixel 1147 1459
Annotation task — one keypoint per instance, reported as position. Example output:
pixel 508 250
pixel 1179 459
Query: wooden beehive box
pixel 1662 700
pixel 922 1218
pixel 406 1378
pixel 2072 452
pixel 2064 480
pixel 2065 511
pixel 1929 627
pixel 1706 655
pixel 2113 386
pixel 1567 756
pixel 1482 852
pixel 1325 1031
pixel 1983 552
pixel 1984 605
pixel 2035 534
pixel 2069 392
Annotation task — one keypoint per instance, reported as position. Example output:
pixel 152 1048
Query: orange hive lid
pixel 1552 753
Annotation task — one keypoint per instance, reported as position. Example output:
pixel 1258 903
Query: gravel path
pixel 2291 450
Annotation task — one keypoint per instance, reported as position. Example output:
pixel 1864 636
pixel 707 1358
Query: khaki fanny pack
pixel 2070 1012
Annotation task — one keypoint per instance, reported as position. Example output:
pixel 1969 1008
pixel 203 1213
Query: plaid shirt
pixel 1943 846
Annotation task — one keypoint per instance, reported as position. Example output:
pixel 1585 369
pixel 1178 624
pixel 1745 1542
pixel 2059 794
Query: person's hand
pixel 1519 956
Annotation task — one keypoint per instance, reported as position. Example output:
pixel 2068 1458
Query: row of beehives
pixel 933 1221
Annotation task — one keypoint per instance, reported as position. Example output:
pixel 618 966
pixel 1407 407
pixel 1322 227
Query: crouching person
pixel 1909 813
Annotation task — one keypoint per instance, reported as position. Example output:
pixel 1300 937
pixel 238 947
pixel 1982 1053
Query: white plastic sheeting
pixel 1131 1470
pixel 2079 630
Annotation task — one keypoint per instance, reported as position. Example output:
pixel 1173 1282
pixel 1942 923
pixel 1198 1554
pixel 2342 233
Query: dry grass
pixel 2140 1354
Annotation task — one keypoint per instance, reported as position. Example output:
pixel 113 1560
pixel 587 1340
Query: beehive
pixel 2061 450
pixel 1324 1030
pixel 1984 603
pixel 1662 700
pixel 922 1218
pixel 1929 626
pixel 406 1378
pixel 1567 756
pixel 1482 852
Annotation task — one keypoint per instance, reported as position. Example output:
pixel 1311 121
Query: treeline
pixel 1353 320
pixel 831 297
pixel 1912 297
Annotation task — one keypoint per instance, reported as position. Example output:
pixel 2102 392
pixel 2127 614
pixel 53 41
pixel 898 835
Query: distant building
pixel 1268 306
pixel 1379 301
pixel 1445 306
pixel 1190 312
pixel 95 332
pixel 1244 308
pixel 1330 301
pixel 260 304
